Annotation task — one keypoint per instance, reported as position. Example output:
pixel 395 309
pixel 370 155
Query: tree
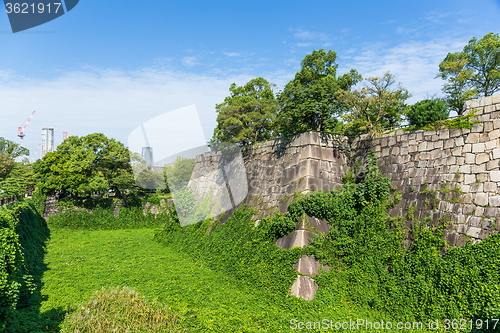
pixel 9 151
pixel 376 106
pixel 179 173
pixel 247 115
pixel 309 101
pixel 90 163
pixel 428 111
pixel 473 72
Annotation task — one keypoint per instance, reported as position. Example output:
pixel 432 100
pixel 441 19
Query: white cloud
pixel 405 31
pixel 232 54
pixel 346 30
pixel 113 102
pixel 415 64
pixel 190 61
pixel 304 44
pixel 311 35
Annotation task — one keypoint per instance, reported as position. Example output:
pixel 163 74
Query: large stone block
pixel 308 265
pixel 492 165
pixel 494 201
pixel 481 199
pixel 482 158
pixel 472 138
pixel 304 287
pixel 478 147
pixel 495 176
pixel 494 134
pixel 473 232
pixel 449 143
pixel 491 144
pixel 298 238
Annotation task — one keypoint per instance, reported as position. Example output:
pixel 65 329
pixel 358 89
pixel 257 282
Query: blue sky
pixel 108 66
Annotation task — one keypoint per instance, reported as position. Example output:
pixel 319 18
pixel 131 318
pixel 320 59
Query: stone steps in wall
pixel 304 285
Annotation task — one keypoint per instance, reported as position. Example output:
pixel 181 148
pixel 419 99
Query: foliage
pixel 9 151
pixel 20 180
pixel 309 101
pixel 101 217
pixel 145 176
pixel 376 106
pixel 458 123
pixel 120 310
pixel 23 233
pixel 90 163
pixel 247 115
pixel 12 149
pixel 179 173
pixel 428 111
pixel 472 72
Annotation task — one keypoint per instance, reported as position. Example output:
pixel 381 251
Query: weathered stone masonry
pixel 415 162
pixel 443 160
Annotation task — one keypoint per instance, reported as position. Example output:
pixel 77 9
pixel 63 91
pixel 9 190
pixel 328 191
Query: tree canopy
pixel 247 115
pixel 90 163
pixel 377 105
pixel 309 101
pixel 428 111
pixel 9 151
pixel 473 72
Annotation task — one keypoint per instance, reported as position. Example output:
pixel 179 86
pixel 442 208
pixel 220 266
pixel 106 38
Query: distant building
pixel 47 141
pixel 147 154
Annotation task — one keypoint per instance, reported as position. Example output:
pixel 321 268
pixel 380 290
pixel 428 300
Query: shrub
pixel 23 233
pixel 427 112
pixel 120 310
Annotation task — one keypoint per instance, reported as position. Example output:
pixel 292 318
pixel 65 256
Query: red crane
pixel 20 130
pixel 65 135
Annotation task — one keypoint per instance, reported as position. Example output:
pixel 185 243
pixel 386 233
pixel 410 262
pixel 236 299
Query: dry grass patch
pixel 120 310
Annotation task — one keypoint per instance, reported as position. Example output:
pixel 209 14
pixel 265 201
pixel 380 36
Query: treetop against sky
pixel 109 66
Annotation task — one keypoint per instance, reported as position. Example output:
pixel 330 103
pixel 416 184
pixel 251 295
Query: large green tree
pixel 377 105
pixel 247 115
pixel 9 151
pixel 310 101
pixel 473 72
pixel 90 163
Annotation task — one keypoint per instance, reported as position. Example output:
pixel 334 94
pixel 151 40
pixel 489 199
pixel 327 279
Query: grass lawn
pixel 80 262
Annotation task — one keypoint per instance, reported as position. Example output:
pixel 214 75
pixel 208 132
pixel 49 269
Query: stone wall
pixel 430 168
pixel 426 166
pixel 276 169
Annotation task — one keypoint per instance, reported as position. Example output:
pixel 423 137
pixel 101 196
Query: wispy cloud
pixel 311 35
pixel 304 44
pixel 232 54
pixel 112 102
pixel 415 64
pixel 405 31
pixel 389 22
pixel 190 61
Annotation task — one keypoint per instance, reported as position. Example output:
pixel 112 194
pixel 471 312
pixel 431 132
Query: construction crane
pixel 20 130
pixel 36 151
pixel 65 135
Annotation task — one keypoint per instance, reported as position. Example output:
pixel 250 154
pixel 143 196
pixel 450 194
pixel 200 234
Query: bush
pixel 120 310
pixel 102 218
pixel 427 112
pixel 23 233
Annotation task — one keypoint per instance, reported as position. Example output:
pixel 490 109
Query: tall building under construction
pixel 47 141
